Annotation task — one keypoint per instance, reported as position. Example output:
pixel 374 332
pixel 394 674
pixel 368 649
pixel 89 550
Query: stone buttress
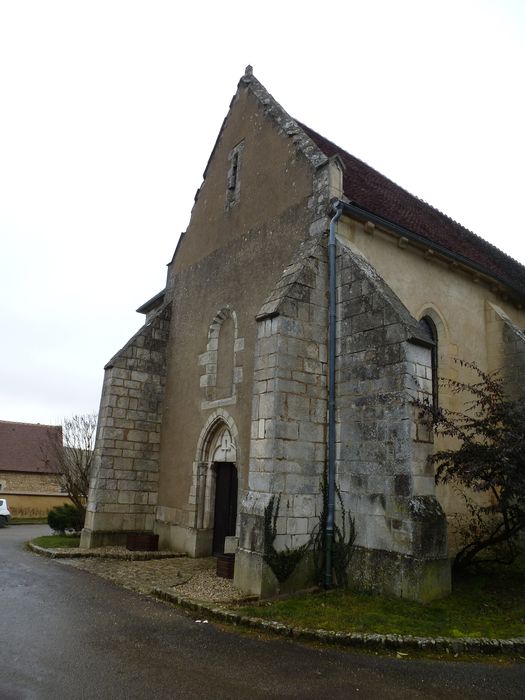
pixel 124 484
pixel 383 363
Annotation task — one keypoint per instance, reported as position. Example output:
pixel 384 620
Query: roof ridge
pixel 35 425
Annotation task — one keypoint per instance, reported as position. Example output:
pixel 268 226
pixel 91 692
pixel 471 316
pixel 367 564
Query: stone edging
pixel 93 554
pixel 481 645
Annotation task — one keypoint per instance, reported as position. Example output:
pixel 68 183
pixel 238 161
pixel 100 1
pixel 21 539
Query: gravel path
pixel 194 578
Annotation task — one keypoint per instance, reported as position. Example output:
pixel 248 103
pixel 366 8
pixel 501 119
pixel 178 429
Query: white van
pixel 5 514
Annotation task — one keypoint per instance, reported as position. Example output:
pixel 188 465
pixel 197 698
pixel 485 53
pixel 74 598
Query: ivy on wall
pixel 281 563
pixel 284 562
pixel 342 542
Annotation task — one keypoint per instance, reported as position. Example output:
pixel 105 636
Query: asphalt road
pixel 66 634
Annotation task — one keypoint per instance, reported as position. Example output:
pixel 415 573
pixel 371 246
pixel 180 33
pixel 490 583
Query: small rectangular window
pixel 233 191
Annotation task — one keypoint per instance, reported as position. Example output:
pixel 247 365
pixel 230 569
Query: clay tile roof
pixel 23 446
pixel 377 194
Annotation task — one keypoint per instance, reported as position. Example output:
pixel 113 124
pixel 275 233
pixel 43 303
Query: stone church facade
pixel 219 402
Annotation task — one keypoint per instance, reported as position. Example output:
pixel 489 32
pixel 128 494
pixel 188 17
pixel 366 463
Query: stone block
pixel 127 474
pixel 125 497
pixel 299 450
pixel 264 373
pixel 123 463
pixel 267 483
pixel 231 544
pixel 423 486
pixel 280 525
pixel 295 347
pixel 290 387
pixel 261 449
pixel 113 434
pixel 299 540
pixel 266 407
pixel 318 410
pixel 282 542
pixel 300 484
pixel 129 485
pixel 298 408
pixel 391 573
pixel 288 430
pixel 137 436
pixel 311 432
pixel 148 465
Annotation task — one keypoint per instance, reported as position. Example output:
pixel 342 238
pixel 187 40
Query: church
pixel 306 306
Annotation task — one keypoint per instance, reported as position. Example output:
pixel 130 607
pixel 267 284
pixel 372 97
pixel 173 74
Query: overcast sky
pixel 109 110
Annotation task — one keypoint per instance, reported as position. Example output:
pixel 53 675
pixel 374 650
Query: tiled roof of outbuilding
pixel 24 446
pixel 377 194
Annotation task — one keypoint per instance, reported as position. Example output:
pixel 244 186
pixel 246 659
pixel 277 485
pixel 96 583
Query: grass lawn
pixel 51 541
pixel 489 604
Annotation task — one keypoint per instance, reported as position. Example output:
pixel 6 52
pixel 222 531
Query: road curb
pixel 93 554
pixel 395 642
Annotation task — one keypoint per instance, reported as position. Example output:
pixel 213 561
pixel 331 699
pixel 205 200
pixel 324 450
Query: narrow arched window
pixel 224 381
pixel 428 327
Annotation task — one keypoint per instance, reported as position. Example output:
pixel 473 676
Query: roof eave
pixel 361 214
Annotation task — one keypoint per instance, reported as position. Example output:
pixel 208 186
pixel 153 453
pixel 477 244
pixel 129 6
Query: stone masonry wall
pixel 124 485
pixel 514 357
pixel 288 443
pixel 505 348
pixel 29 482
pixel 382 445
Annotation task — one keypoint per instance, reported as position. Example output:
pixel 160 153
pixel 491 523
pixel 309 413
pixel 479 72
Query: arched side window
pixel 221 361
pixel 428 327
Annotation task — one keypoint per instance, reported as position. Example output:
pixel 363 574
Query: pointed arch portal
pixel 217 482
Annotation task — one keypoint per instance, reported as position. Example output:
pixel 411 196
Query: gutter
pixel 330 516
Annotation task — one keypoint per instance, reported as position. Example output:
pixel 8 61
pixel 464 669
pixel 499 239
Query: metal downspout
pixel 330 517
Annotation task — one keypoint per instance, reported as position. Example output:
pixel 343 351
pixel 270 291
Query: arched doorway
pixel 226 487
pixel 215 490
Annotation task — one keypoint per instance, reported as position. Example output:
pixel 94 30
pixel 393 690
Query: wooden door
pixel 225 504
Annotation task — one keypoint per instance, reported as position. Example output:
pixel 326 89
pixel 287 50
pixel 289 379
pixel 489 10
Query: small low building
pixel 29 479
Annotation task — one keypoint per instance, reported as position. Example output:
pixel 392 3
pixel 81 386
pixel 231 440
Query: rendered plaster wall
pixel 456 299
pixel 31 505
pixel 226 265
pixel 273 176
pixel 124 485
